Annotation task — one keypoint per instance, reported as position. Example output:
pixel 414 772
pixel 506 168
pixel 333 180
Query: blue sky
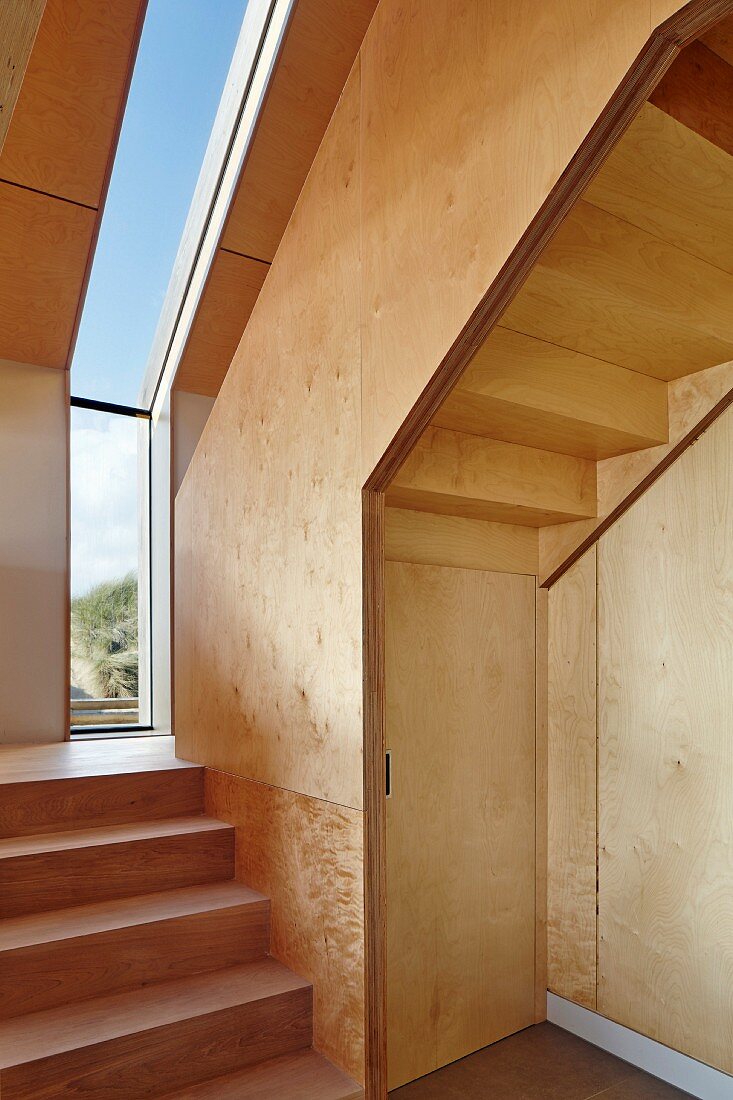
pixel 184 56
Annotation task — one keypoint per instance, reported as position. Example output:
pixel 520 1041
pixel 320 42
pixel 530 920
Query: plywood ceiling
pixel 54 168
pixel 19 21
pixel 319 50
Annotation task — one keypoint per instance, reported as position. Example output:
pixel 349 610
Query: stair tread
pixel 105 916
pixel 82 759
pixel 305 1075
pixel 100 1019
pixel 13 847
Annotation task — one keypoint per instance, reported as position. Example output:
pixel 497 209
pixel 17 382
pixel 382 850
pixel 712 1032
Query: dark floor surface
pixel 541 1063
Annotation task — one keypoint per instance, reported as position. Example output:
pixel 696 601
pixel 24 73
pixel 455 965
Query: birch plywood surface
pixel 471 112
pixel 307 856
pixel 571 874
pixel 460 677
pixel 665 659
pixel 273 639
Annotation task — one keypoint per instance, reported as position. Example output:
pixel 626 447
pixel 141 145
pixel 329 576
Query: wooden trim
pixel 671 457
pixel 106 180
pixel 540 968
pixel 375 817
pixel 662 47
pixel 67 624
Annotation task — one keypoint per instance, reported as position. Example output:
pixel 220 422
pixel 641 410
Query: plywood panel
pixel 306 856
pixel 690 399
pixel 427 539
pixel 43 253
pixel 571 879
pixel 605 288
pixel 465 475
pixel 666 757
pixel 460 823
pixel 229 298
pixel 275 503
pixel 321 44
pixel 19 21
pixel 666 179
pixel 697 90
pixel 458 157
pixel 720 39
pixel 65 118
pixel 527 391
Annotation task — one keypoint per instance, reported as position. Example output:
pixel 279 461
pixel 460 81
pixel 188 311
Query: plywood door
pixel 460 668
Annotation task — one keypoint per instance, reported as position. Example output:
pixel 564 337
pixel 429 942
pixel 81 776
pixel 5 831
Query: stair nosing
pixel 153 1006
pixel 98 918
pixel 98 836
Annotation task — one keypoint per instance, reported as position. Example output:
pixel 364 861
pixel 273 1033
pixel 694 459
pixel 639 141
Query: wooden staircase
pixel 131 962
pixel 616 350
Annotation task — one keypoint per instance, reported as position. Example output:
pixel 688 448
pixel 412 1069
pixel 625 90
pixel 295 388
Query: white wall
pixel 190 413
pixel 34 464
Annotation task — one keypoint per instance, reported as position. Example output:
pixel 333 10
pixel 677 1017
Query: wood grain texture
pixel 425 538
pixel 320 48
pixel 720 39
pixel 465 475
pixel 605 288
pixel 53 805
pixel 666 179
pixel 572 783
pixel 228 300
pixel 306 856
pixel 443 208
pixel 666 760
pixel 64 123
pixel 305 1074
pixel 691 401
pixel 541 805
pixel 460 677
pixel 64 956
pixel 81 759
pixel 522 390
pixel 130 1043
pixel 44 246
pixel 19 21
pixel 697 91
pixel 54 870
pixel 274 643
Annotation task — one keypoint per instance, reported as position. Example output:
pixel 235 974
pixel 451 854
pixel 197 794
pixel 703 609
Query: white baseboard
pixel 663 1062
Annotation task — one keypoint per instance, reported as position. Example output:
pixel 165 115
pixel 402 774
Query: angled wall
pixel 456 122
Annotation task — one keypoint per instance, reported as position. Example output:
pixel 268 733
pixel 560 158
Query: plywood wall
pixel 34 609
pixel 455 124
pixel 664 763
pixel 571 784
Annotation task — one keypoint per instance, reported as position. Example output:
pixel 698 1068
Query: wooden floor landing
pixel 78 759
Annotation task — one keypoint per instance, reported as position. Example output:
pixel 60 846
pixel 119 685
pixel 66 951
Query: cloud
pixel 104 498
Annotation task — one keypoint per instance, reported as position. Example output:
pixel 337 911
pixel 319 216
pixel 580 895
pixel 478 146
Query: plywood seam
pixel 48 194
pixel 245 256
pixel 657 237
pixel 287 790
pixel 597 773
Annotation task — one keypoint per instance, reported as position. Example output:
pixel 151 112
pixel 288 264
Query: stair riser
pixel 153 1063
pixel 55 880
pixel 59 972
pixel 56 804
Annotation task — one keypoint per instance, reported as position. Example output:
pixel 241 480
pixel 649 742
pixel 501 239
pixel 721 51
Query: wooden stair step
pixel 67 955
pixel 306 1075
pixel 57 870
pixel 455 474
pixel 151 1041
pixel 57 804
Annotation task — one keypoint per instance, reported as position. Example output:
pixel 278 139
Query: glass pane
pixel 109 574
pixel 184 56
